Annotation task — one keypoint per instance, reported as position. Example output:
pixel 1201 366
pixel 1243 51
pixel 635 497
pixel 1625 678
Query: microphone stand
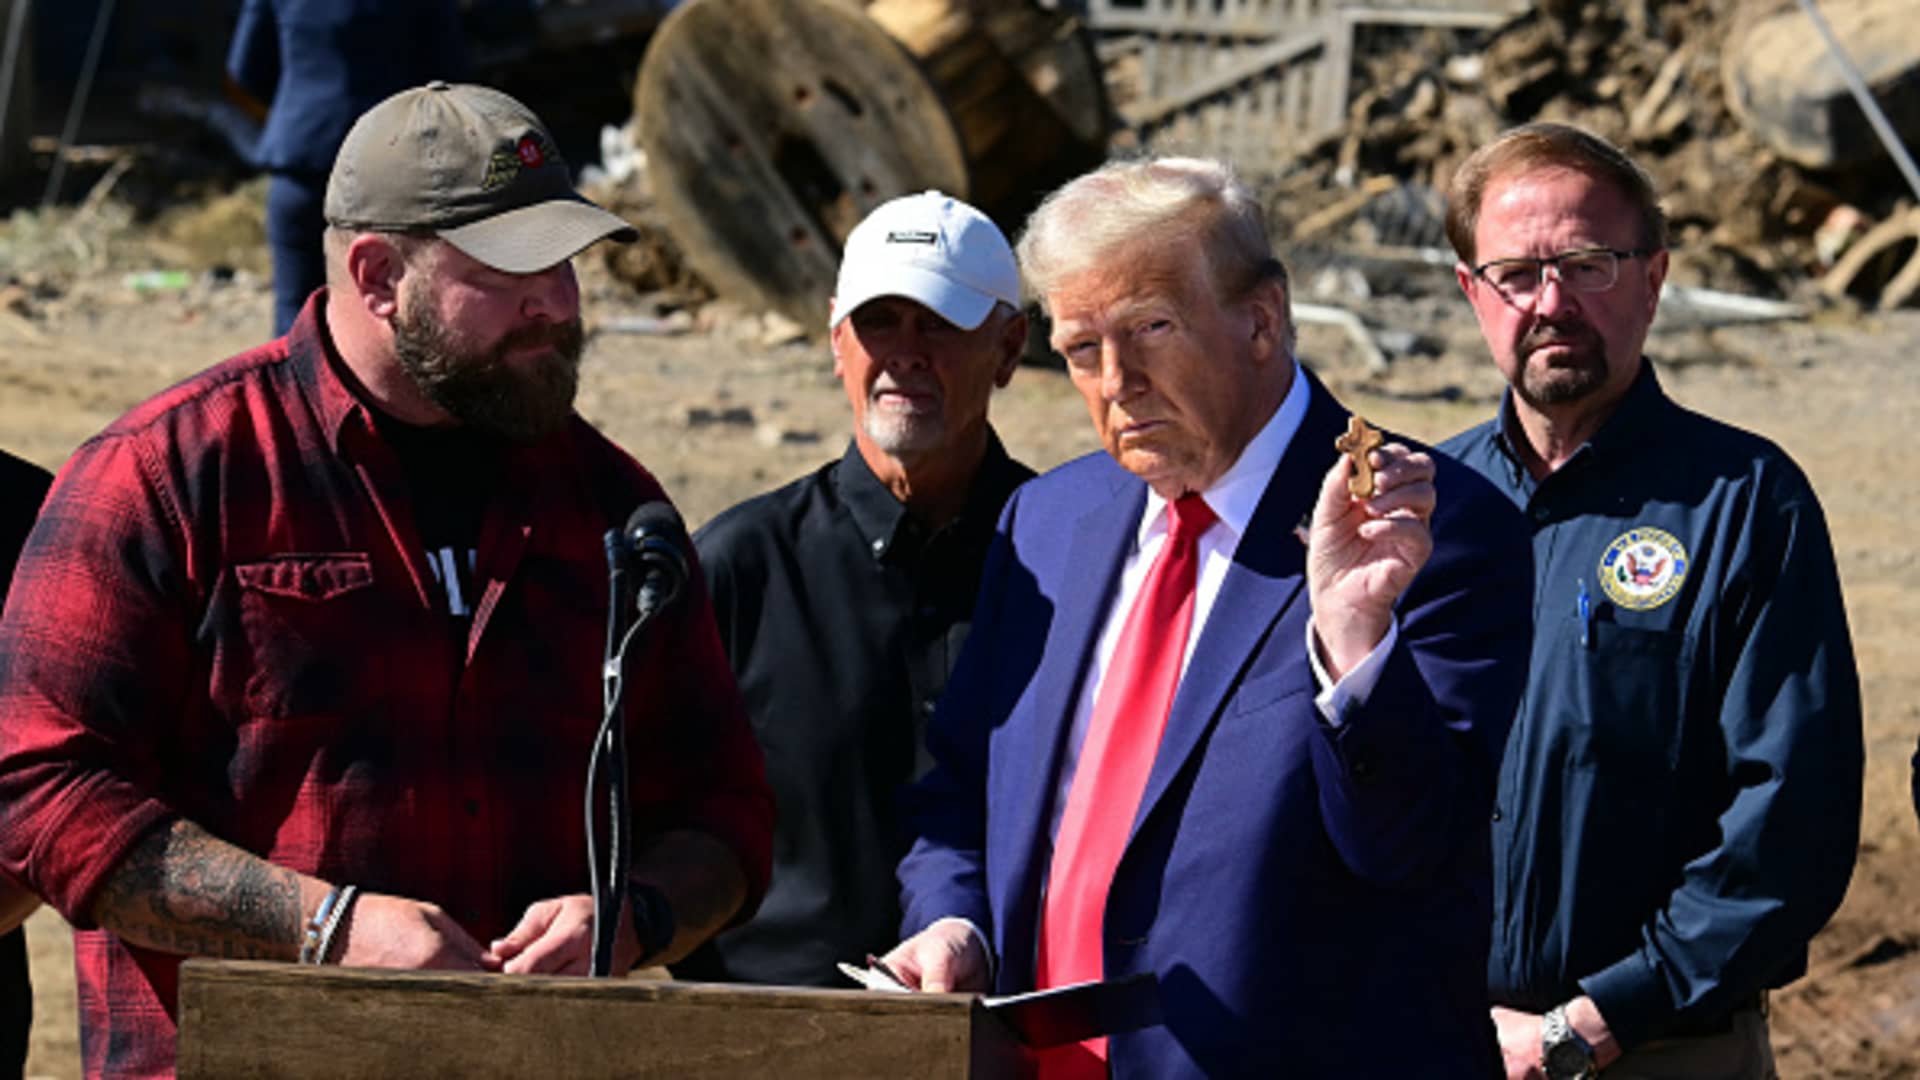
pixel 653 541
pixel 610 748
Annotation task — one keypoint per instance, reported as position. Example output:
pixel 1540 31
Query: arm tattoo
pixel 184 890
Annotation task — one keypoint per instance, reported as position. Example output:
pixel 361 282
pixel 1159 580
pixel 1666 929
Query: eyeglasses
pixel 1592 270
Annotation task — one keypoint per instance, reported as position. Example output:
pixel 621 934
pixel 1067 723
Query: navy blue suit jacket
pixel 1314 900
pixel 321 63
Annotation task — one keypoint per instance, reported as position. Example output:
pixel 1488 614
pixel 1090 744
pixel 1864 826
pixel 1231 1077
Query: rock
pixel 771 434
pixel 776 329
pixel 16 300
pixel 708 416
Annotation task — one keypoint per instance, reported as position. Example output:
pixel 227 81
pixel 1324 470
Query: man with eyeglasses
pixel 1680 798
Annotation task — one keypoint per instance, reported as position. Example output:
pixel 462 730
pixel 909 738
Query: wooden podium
pixel 247 1019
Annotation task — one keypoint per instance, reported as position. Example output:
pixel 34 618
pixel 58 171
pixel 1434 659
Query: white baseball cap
pixel 931 248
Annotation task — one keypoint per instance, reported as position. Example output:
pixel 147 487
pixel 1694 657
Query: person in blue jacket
pixel 1221 718
pixel 319 64
pixel 1679 802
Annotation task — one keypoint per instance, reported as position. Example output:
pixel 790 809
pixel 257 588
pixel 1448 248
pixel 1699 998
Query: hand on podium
pixel 947 956
pixel 555 937
pixel 394 932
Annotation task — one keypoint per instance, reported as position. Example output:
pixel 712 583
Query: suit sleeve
pixel 253 57
pixel 1408 777
pixel 1789 717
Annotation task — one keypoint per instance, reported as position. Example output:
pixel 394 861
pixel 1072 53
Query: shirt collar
pixel 881 517
pixel 993 482
pixel 876 513
pixel 317 367
pixel 1236 495
pixel 1639 409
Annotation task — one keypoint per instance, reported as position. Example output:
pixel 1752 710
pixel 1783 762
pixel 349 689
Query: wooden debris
pixel 1883 243
pixel 1326 218
pixel 1648 77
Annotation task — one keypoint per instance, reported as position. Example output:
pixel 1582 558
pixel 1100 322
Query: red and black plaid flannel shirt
pixel 224 615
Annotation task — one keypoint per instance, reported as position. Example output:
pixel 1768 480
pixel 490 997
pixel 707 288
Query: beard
pixel 1577 372
pixel 481 388
pixel 904 431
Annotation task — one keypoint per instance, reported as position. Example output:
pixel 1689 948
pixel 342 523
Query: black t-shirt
pixel 23 487
pixel 451 473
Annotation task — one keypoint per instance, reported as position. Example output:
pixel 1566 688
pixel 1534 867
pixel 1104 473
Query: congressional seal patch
pixel 1643 568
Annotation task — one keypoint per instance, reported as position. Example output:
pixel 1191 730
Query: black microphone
pixel 658 541
pixel 654 544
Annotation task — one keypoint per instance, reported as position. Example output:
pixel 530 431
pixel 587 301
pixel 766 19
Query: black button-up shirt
pixel 1680 796
pixel 843 616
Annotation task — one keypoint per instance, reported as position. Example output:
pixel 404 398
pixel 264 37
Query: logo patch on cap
pixel 505 165
pixel 914 237
pixel 1643 568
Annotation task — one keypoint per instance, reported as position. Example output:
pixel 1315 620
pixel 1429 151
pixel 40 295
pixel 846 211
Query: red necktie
pixel 1123 734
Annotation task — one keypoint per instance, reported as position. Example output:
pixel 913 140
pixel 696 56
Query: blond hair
pixel 1151 202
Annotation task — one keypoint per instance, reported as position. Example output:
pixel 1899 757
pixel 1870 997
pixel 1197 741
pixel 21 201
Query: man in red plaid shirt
pixel 330 614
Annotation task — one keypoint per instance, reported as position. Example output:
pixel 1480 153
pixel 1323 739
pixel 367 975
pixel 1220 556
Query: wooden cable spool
pixel 771 127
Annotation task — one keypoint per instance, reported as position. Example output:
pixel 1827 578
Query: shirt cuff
pixel 1355 686
pixel 979 935
pixel 1631 999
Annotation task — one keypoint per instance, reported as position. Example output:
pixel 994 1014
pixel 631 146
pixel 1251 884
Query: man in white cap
pixel 302 659
pixel 843 597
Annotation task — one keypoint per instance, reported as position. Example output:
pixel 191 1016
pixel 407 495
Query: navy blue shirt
pixel 1680 798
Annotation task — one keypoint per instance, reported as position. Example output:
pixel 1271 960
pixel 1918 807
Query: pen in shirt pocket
pixel 1584 608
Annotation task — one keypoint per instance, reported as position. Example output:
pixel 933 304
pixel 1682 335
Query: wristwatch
pixel 1563 1053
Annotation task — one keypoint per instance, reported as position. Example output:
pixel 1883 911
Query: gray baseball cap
pixel 471 166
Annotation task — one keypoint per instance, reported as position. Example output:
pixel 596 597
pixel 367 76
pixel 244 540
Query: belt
pixel 1695 1027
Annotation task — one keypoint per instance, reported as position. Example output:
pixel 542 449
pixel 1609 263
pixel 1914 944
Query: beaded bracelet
pixel 317 924
pixel 338 916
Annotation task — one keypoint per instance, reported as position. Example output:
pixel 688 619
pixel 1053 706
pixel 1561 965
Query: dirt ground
pixel 719 415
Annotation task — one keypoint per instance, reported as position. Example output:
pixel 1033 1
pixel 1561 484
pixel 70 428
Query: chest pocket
pixel 1634 698
pixel 311 628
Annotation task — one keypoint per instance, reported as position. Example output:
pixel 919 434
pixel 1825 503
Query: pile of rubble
pixel 1749 221
pixel 1648 76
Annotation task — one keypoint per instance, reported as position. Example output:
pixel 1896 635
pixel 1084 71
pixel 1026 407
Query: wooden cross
pixel 1359 441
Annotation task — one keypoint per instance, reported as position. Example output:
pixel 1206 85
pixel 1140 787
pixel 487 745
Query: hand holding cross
pixel 1368 539
pixel 1358 444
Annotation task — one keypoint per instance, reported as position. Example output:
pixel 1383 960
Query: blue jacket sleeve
pixel 1789 716
pixel 1409 776
pixel 253 57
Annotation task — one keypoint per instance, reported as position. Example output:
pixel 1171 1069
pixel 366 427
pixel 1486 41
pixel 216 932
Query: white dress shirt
pixel 1233 498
